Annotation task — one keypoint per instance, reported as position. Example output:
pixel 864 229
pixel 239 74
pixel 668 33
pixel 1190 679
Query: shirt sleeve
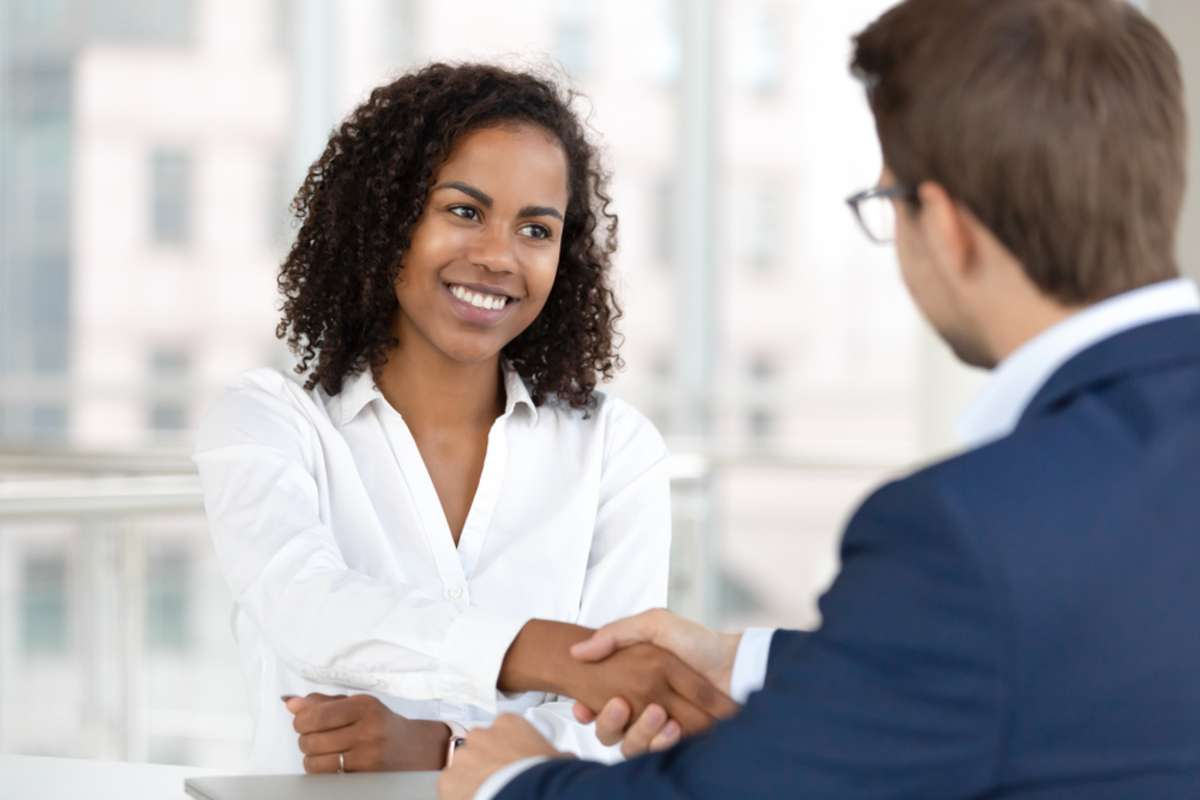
pixel 750 663
pixel 259 457
pixel 629 561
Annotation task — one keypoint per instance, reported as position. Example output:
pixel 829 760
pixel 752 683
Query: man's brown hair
pixel 1058 123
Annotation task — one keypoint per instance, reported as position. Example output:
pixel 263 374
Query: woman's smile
pixel 477 305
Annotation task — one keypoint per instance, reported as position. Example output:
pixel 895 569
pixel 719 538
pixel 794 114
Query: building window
pixel 138 22
pixel 171 196
pixel 278 191
pixel 760 50
pixel 573 47
pixel 170 372
pixel 761 424
pixel 168 590
pixel 48 423
pixel 664 216
pixel 666 53
pixel 763 233
pixel 44 605
pixel 762 369
pixel 760 417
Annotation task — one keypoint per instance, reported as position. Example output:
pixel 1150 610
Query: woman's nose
pixel 492 249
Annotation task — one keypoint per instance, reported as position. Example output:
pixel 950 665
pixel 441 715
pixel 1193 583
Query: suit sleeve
pixel 900 692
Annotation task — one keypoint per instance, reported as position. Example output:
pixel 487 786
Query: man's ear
pixel 947 235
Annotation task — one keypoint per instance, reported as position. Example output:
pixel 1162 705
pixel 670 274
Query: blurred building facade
pixel 160 143
pixel 147 154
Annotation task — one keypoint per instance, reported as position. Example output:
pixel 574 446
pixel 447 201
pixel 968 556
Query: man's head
pixel 1044 142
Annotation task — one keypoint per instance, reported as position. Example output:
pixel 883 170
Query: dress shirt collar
pixel 359 390
pixel 1013 384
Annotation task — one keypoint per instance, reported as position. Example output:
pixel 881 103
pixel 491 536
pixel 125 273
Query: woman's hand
pixel 367 734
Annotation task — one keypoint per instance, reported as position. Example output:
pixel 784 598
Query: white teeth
pixel 488 302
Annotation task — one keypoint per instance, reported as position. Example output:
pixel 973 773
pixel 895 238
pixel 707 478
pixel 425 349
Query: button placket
pixel 434 526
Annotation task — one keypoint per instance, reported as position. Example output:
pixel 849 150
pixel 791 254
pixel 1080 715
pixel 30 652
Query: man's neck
pixel 1017 324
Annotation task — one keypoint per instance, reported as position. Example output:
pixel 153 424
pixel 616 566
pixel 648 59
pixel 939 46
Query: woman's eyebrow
pixel 483 197
pixel 486 201
pixel 540 211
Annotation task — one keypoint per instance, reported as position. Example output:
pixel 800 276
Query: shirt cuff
pixel 750 665
pixel 474 648
pixel 505 775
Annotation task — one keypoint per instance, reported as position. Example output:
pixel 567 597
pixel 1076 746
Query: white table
pixel 37 778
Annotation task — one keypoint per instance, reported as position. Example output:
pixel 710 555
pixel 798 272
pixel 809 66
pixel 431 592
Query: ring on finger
pixel 341 762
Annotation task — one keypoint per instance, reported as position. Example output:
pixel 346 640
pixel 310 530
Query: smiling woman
pixel 446 503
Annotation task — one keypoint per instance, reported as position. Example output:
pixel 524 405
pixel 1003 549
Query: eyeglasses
pixel 876 213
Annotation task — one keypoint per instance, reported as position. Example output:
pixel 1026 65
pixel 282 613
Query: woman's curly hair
pixel 361 199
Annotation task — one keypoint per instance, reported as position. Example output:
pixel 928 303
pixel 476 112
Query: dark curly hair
pixel 361 199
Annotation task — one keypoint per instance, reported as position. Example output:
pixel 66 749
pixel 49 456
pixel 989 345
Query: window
pixel 170 371
pixel 762 369
pixel 761 423
pixel 49 309
pixel 663 214
pixel 277 191
pixel 574 41
pixel 142 22
pixel 284 28
pixel 764 229
pixel 48 423
pixel 760 416
pixel 666 54
pixel 44 605
pixel 171 209
pixel 760 53
pixel 168 590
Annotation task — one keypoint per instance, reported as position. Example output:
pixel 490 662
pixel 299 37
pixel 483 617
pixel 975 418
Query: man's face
pixel 933 278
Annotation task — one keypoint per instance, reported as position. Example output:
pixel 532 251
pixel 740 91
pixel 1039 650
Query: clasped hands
pixel 678 685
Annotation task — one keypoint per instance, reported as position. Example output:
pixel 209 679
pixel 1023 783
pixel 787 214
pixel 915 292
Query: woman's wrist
pixel 437 736
pixel 539 659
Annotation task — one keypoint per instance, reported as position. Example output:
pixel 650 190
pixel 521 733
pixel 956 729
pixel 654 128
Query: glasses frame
pixel 897 192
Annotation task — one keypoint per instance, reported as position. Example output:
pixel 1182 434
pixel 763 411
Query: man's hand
pixel 644 674
pixel 710 653
pixel 510 739
pixel 641 673
pixel 652 732
pixel 367 734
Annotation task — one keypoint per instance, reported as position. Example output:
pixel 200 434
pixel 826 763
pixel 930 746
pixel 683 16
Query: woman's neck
pixel 431 390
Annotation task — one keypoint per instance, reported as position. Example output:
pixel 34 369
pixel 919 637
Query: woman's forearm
pixel 539 659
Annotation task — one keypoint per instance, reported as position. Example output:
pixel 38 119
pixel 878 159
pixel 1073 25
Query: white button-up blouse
pixel 344 573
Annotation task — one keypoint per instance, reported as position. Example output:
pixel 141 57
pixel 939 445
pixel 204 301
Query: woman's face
pixel 485 251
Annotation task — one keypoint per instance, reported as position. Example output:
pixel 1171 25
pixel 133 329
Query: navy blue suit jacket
pixel 1021 621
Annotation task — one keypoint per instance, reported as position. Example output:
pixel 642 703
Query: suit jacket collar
pixel 1149 347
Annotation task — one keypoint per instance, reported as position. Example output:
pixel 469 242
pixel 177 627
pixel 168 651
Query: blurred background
pixel 148 151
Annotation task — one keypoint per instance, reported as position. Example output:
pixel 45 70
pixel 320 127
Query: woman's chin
pixel 470 354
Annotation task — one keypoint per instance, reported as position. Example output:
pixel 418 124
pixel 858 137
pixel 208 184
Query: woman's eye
pixel 466 212
pixel 535 231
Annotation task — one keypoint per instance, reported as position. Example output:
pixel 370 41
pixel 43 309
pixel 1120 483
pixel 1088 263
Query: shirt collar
pixel 1013 384
pixel 516 393
pixel 359 390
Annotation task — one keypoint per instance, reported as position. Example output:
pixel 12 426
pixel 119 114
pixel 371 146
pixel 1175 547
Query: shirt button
pixel 455 593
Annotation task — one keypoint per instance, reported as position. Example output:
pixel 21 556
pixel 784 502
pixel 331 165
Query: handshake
pixel 647 681
pixel 678 684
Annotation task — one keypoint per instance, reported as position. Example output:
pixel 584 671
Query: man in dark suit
pixel 1022 620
